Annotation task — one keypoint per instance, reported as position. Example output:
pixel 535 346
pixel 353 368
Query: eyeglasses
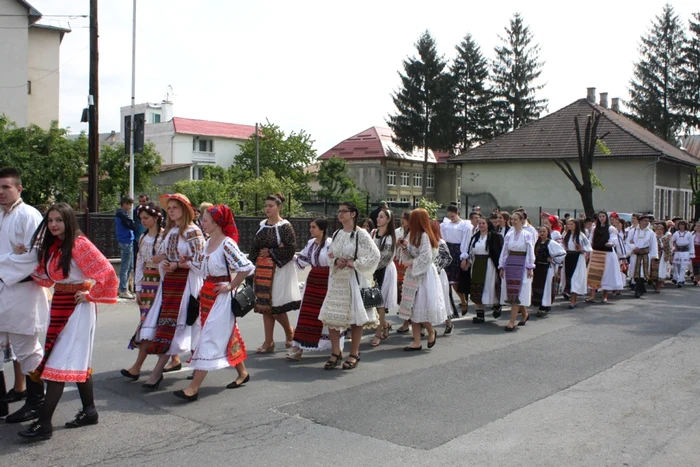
pixel 342 211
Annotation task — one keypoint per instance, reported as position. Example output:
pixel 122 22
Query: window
pixel 391 178
pixel 663 203
pixel 405 199
pixel 418 179
pixel 430 183
pixel 155 118
pixel 206 145
pixel 29 87
pixel 686 198
pixel 405 177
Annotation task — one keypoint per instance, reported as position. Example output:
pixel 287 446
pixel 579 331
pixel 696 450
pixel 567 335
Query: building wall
pixel 628 185
pixel 42 65
pixel 167 179
pixel 14 47
pixel 672 190
pixel 373 176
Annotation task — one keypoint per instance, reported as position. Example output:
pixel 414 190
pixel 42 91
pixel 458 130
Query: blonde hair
pixel 203 207
pixel 185 221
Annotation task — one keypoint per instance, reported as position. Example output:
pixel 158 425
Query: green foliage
pixel 430 206
pixel 656 88
pixel 51 165
pixel 595 181
pixel 359 198
pixel 334 180
pixel 516 68
pixel 601 147
pixel 114 173
pixel 211 191
pixel 285 155
pixel 690 76
pixel 267 184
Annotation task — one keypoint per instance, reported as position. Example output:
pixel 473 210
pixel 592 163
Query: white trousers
pixel 27 349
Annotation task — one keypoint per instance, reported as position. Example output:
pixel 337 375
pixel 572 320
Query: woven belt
pixel 84 287
pixel 643 251
pixel 682 249
pixel 150 264
pixel 517 253
pixel 217 279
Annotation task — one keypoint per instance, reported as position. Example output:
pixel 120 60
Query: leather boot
pixel 4 408
pixel 30 410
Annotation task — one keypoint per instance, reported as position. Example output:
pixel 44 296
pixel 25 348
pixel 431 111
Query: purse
pixel 371 296
pixel 192 310
pixel 243 301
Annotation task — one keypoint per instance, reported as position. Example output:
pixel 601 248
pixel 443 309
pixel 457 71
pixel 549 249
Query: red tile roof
pixel 375 143
pixel 191 126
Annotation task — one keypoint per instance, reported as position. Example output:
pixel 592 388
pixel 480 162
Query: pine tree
pixel 515 71
pixel 656 89
pixel 690 76
pixel 472 96
pixel 424 103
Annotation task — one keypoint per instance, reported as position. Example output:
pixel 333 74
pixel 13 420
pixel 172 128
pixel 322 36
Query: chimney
pixel 166 111
pixel 591 95
pixel 604 100
pixel 615 105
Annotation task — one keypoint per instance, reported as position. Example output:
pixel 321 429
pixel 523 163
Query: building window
pixel 206 145
pixel 155 118
pixel 431 181
pixel 663 203
pixel 405 178
pixel 391 178
pixel 29 87
pixel 686 198
pixel 418 179
pixel 405 199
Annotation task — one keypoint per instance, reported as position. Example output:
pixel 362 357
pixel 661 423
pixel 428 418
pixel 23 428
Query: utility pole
pixel 257 152
pixel 133 104
pixel 93 115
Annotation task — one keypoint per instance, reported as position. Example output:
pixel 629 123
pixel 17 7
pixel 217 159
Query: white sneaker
pixel 126 294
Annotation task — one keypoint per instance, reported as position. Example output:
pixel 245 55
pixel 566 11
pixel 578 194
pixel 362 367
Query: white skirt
pixel 579 281
pixel 612 280
pixel 390 287
pixel 429 305
pixel 212 346
pixel 445 287
pixel 547 294
pixel 488 295
pixel 71 355
pixel 343 306
pixel 285 286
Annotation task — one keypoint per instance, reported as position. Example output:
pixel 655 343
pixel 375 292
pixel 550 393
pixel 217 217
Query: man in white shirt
pixel 24 308
pixel 645 249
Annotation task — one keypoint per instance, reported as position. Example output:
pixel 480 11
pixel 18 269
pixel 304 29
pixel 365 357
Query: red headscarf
pixel 554 222
pixel 223 216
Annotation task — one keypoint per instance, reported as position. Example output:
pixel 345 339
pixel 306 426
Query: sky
pixel 328 68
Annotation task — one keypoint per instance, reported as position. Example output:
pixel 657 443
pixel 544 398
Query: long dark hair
pixel 577 232
pixel 601 233
pixel 490 231
pixel 390 230
pixel 151 210
pixel 406 215
pixel 43 239
pixel 352 208
pixel 322 224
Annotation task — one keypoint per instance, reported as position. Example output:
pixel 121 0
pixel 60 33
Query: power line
pixel 48 16
pixel 47 74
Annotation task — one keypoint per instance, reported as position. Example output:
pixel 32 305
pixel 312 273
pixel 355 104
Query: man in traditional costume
pixel 645 249
pixel 24 307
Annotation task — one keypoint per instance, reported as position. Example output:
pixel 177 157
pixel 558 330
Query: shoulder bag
pixel 371 296
pixel 243 300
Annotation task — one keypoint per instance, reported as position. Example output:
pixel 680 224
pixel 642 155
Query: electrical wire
pixel 50 72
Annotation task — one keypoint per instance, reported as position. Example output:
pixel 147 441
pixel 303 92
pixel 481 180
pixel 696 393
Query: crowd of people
pixel 186 274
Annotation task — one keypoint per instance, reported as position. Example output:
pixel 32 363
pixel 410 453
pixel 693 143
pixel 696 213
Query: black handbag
pixel 371 296
pixel 192 310
pixel 243 301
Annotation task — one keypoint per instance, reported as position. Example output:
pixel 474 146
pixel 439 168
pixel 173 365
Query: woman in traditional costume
pixel 575 274
pixel 276 284
pixel 549 254
pixel 696 248
pixel 384 237
pixel 146 279
pixel 81 277
pixel 620 245
pixel 166 329
pixel 310 334
pixel 516 265
pixel 604 266
pixel 456 232
pixel 421 301
pixel 443 259
pixel 683 251
pixel 484 253
pixel 223 268
pixel 660 266
pixel 503 223
pixel 353 258
pixel 402 234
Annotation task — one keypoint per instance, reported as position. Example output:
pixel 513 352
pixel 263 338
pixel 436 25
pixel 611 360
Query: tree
pixel 690 76
pixel 656 88
pixel 695 186
pixel 51 164
pixel 586 150
pixel 114 172
pixel 207 190
pixel 268 183
pixel 285 155
pixel 515 70
pixel 424 104
pixel 472 96
pixel 334 180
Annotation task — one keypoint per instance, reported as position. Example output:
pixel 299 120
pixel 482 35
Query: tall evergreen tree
pixel 515 71
pixel 424 103
pixel 656 87
pixel 690 76
pixel 472 96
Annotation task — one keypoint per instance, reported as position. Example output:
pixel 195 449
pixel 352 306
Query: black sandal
pixel 331 364
pixel 348 365
pixel 509 329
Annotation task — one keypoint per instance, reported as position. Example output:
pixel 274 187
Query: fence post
pixel 289 205
pixel 325 206
pixel 87 224
pixel 575 216
pixel 368 204
pixel 255 213
pixel 540 215
pixel 559 213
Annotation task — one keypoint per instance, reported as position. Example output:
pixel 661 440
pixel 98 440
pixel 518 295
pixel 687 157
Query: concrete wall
pixel 629 185
pixel 42 65
pixel 372 176
pixel 14 47
pixel 167 179
pixel 676 178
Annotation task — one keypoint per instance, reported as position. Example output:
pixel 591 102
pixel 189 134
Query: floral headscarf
pixel 223 216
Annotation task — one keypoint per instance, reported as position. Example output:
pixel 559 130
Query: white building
pixel 29 65
pixel 186 144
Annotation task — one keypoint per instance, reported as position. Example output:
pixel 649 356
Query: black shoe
pixel 448 330
pixel 126 374
pixel 177 367
pixel 4 409
pixel 497 312
pixel 567 297
pixel 83 419
pixel 478 320
pixel 153 386
pixel 14 396
pixel 235 385
pixel 37 431
pixel 432 344
pixel 408 348
pixel 190 376
pixel 182 395
pixel 26 413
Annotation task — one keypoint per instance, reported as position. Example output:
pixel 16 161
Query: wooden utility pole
pixel 93 120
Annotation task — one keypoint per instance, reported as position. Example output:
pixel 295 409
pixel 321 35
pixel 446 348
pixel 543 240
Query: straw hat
pixel 163 200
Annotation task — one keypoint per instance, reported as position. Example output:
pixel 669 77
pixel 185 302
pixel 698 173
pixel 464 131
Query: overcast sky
pixel 323 67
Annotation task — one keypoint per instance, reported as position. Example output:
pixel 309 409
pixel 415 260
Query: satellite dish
pixel 170 94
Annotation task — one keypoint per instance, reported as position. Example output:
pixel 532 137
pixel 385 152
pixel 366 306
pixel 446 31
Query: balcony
pixel 203 157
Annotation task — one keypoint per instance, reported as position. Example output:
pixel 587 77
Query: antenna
pixel 170 94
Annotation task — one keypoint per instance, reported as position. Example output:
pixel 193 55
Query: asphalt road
pixel 612 384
